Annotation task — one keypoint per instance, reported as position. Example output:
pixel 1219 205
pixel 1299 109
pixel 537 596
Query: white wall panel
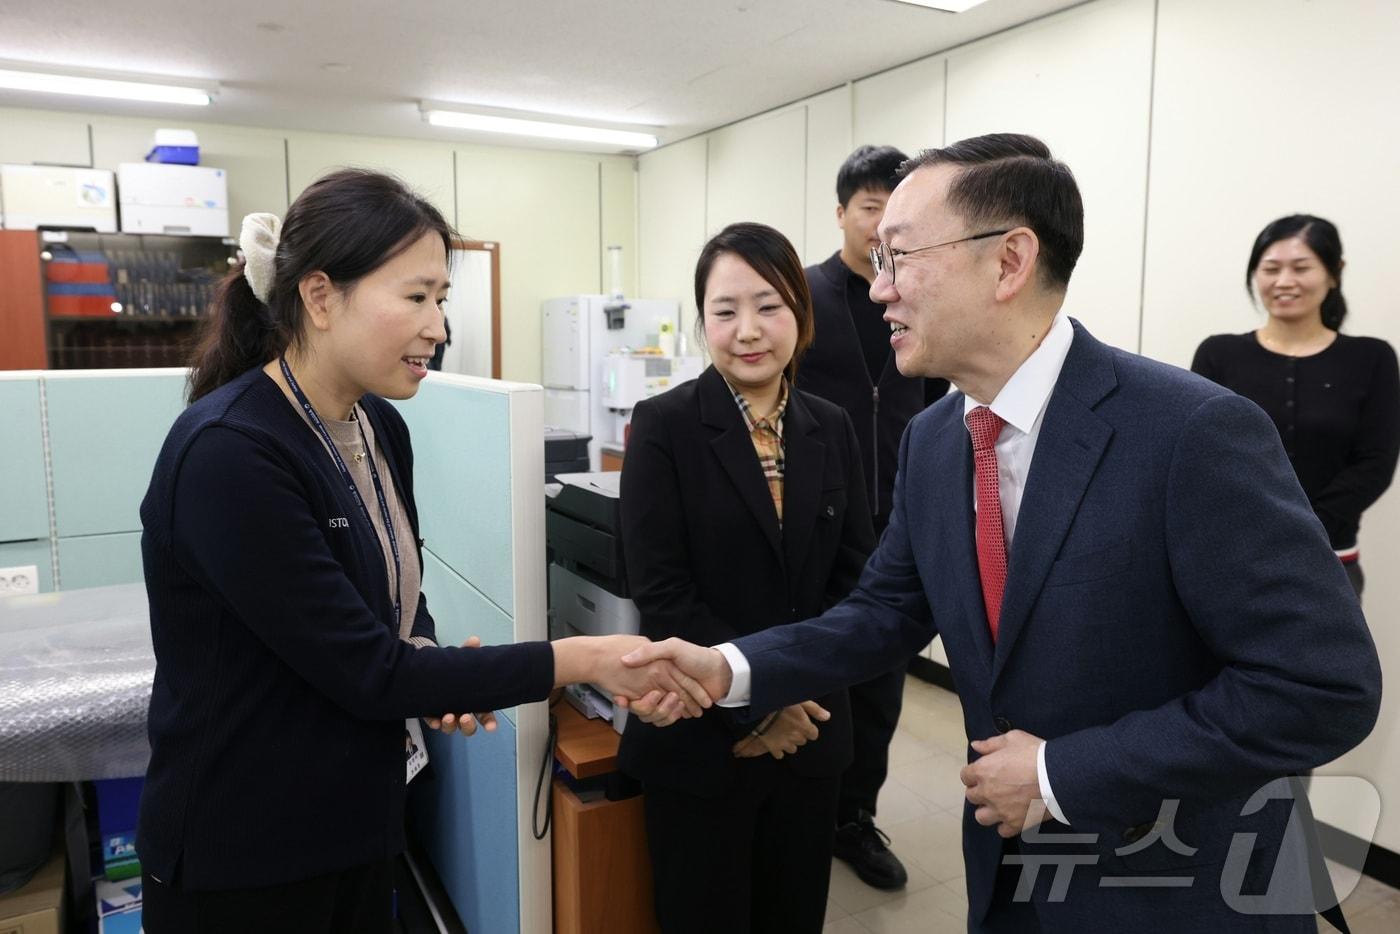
pixel 902 107
pixel 828 145
pixel 1080 81
pixel 757 172
pixel 1266 108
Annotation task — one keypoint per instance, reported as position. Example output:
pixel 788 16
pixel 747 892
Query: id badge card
pixel 415 752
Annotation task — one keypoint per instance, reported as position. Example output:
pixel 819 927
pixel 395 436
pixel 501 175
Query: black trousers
pixel 875 707
pixel 358 899
pixel 755 860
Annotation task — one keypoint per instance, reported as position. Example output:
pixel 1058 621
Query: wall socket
pixel 14 581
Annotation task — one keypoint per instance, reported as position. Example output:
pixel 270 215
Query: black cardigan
pixel 281 686
pixel 707 561
pixel 836 368
pixel 1338 413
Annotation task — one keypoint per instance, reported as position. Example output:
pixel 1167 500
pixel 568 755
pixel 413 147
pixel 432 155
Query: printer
pixel 588 592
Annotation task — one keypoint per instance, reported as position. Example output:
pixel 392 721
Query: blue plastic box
pixel 174 155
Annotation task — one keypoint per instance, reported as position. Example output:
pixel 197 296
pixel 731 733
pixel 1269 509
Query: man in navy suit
pixel 1146 624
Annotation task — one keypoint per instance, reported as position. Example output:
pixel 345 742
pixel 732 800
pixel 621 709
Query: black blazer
pixel 708 562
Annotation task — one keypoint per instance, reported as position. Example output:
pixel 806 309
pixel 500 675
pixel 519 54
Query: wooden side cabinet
pixel 602 873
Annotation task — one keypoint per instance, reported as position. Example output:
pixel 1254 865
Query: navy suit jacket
pixel 1174 623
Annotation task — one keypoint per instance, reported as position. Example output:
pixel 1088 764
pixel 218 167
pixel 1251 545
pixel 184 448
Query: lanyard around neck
pixel 349 479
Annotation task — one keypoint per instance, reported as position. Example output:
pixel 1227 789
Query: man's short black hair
pixel 1008 180
pixel 873 167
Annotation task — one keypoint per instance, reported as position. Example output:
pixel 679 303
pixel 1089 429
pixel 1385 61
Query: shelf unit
pixel 126 300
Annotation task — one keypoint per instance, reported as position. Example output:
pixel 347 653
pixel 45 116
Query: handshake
pixel 662 682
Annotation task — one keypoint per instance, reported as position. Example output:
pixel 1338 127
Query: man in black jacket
pixel 850 364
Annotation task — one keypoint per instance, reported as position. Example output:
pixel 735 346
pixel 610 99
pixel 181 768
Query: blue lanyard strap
pixel 349 479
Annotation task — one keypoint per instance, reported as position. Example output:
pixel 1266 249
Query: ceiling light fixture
pixel 436 115
pixel 87 83
pixel 947 6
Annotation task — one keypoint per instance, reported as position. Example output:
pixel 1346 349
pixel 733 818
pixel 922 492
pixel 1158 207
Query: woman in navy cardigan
pixel 283 568
pixel 743 507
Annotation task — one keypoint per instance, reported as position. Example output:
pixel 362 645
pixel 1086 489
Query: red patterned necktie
pixel 985 425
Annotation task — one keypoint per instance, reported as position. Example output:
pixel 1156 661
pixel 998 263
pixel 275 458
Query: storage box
pixel 118 907
pixel 118 800
pixel 173 199
pixel 34 196
pixel 38 907
pixel 174 147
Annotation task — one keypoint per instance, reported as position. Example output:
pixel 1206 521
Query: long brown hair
pixel 347 224
pixel 772 256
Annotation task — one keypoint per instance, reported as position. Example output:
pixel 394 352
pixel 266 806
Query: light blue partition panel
pixel 100 560
pixel 480 574
pixel 459 610
pixel 461 451
pixel 466 818
pixel 20 554
pixel 105 430
pixel 24 497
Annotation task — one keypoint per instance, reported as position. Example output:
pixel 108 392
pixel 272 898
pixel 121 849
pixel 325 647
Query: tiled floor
pixel 921 810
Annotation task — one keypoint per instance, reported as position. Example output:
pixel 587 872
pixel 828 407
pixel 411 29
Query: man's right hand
pixel 707 666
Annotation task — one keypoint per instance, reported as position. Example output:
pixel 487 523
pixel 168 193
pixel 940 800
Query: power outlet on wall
pixel 24 579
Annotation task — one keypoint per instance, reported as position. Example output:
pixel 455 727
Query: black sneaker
pixel 867 849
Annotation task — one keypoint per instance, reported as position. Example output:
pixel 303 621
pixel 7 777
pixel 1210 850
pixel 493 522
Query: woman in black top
pixel 743 507
pixel 1334 398
pixel 283 569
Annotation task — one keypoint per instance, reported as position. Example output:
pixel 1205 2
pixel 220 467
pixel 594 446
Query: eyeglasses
pixel 882 256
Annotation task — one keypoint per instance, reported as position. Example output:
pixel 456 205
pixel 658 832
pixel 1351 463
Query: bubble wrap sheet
pixel 75 682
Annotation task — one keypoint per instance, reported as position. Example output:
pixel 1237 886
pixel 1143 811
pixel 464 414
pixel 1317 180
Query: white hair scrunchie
pixel 258 241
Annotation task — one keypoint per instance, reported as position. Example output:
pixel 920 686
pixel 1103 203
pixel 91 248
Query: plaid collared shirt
pixel 767 435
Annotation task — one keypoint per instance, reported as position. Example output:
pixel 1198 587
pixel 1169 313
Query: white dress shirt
pixel 1021 404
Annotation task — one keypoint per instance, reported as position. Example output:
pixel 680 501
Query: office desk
pixel 602 873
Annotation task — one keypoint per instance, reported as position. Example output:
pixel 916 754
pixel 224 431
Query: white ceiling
pixel 680 66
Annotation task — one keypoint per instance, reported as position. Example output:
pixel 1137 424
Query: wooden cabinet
pixel 100 301
pixel 23 344
pixel 602 873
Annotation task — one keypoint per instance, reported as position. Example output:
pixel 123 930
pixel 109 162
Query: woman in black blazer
pixel 743 507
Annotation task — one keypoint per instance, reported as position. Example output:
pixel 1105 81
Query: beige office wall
pixel 902 107
pixel 1265 108
pixel 29 136
pixel 544 208
pixel 828 145
pixel 425 166
pixel 671 226
pixel 618 193
pixel 1081 81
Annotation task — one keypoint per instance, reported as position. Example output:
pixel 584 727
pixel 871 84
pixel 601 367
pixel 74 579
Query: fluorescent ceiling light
pixel 947 6
pixel 94 85
pixel 543 129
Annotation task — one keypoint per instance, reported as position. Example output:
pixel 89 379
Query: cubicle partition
pixel 478 466
pixel 76 453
